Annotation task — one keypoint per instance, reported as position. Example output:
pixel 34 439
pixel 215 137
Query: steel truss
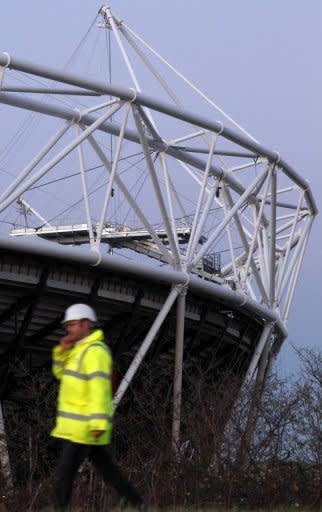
pixel 262 235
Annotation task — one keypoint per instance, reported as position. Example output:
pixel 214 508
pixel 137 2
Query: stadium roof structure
pixel 188 209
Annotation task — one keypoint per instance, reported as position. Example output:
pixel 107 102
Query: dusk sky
pixel 259 61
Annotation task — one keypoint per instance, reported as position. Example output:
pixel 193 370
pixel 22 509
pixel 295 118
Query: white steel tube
pixel 289 245
pixel 126 58
pixel 257 226
pixel 212 290
pixel 198 91
pixel 54 161
pixel 168 257
pixel 249 222
pixel 279 263
pixel 127 94
pixel 247 166
pixel 257 354
pixel 227 219
pixel 146 345
pixel 296 238
pixel 43 152
pixel 283 190
pixel 294 281
pixel 178 200
pixel 263 267
pixel 265 251
pixel 192 243
pixel 149 65
pixel 121 47
pixel 203 219
pixel 156 187
pixel 164 164
pixel 264 362
pixel 24 203
pixel 177 382
pixel 85 191
pixel 250 290
pixel 259 247
pixel 100 106
pixel 190 136
pixel 243 238
pixel 295 256
pixel 239 260
pixel 285 217
pixel 149 125
pixel 286 237
pixel 60 112
pixel 112 175
pixel 231 245
pixel 285 226
pixel 187 168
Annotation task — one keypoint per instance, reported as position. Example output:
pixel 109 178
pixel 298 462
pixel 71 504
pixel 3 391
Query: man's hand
pixel 67 342
pixel 97 433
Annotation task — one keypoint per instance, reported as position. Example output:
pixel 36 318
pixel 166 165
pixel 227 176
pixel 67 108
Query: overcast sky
pixel 259 60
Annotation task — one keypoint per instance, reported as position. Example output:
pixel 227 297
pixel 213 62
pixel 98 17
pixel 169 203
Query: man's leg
pixel 70 459
pixel 102 460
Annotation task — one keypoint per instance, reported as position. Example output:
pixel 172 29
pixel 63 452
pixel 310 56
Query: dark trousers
pixel 71 457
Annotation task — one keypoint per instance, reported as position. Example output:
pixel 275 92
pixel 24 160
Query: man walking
pixel 83 364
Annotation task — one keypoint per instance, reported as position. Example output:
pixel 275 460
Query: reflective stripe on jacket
pixel 85 393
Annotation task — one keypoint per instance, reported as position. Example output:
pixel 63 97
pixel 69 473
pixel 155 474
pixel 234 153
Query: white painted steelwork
pixel 236 184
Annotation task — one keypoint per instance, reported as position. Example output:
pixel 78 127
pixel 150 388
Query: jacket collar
pixel 95 336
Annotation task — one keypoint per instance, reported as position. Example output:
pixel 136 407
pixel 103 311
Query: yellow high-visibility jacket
pixel 85 401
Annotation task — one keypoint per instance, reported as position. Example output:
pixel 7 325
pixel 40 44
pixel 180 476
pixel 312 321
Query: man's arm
pixel 60 355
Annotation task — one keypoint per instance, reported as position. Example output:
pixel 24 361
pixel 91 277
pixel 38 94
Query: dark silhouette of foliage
pixel 216 463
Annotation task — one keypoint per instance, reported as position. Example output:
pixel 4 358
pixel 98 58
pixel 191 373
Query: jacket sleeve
pixel 97 366
pixel 59 360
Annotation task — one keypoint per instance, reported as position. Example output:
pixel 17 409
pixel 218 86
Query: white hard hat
pixel 79 312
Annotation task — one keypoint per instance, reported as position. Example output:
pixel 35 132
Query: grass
pixel 294 508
